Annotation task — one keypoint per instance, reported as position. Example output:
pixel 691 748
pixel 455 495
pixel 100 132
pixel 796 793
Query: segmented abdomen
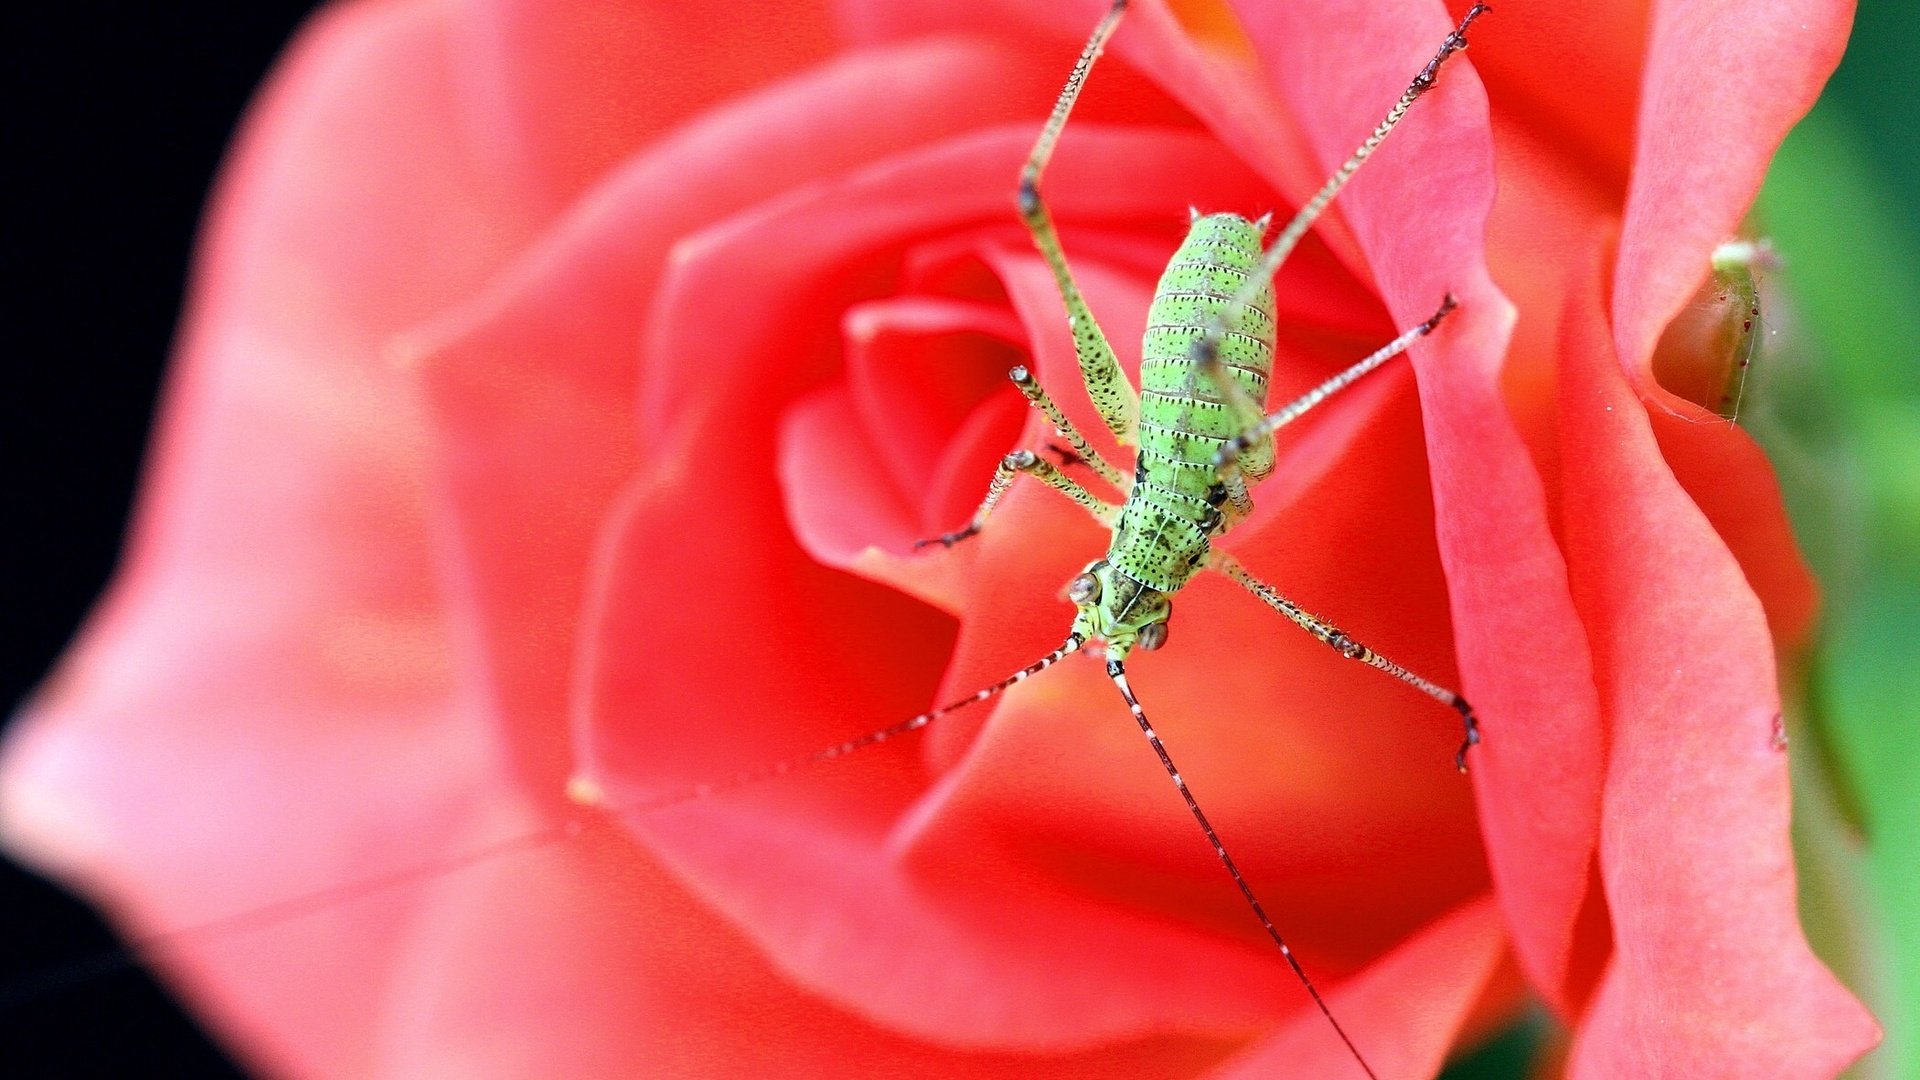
pixel 1164 527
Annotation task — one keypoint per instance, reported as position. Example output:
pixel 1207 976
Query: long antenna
pixel 49 981
pixel 778 769
pixel 25 990
pixel 1118 673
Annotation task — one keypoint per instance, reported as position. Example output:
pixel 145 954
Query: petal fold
pixel 1711 975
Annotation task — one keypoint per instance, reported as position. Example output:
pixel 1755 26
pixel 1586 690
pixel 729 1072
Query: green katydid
pixel 1199 422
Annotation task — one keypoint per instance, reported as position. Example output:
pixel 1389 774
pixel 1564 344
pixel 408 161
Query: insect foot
pixel 1473 732
pixel 947 539
pixel 1454 43
pixel 1010 466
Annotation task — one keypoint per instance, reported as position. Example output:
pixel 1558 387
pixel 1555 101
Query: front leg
pixel 1026 461
pixel 1228 459
pixel 1082 449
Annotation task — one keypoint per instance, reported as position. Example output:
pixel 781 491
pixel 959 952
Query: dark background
pixel 117 117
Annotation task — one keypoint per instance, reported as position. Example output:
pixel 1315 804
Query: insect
pixel 1202 431
pixel 1707 353
pixel 1204 434
pixel 1737 267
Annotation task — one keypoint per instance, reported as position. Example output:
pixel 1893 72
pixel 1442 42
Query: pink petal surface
pixel 1419 211
pixel 561 91
pixel 493 984
pixel 1192 52
pixel 918 369
pixel 533 381
pixel 882 917
pixel 1711 975
pixel 1550 201
pixel 1409 1006
pixel 1567 76
pixel 275 634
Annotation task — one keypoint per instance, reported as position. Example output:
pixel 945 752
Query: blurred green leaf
pixel 1510 1055
pixel 1843 424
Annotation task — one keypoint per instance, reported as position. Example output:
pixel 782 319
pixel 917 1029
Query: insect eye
pixel 1083 589
pixel 1153 635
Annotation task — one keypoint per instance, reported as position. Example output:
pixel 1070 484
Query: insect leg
pixel 1118 673
pixel 1338 641
pixel 1107 385
pixel 1227 458
pixel 1237 496
pixel 1026 461
pixel 1207 350
pixel 1084 450
pixel 1245 412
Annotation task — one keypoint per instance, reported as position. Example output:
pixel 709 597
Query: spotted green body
pixel 1200 425
pixel 1173 509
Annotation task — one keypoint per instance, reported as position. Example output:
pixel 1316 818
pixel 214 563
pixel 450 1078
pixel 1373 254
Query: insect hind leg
pixel 1206 350
pixel 1337 640
pixel 1113 396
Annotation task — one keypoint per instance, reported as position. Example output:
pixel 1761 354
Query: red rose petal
pixel 587 960
pixel 827 684
pixel 917 369
pixel 1712 117
pixel 1419 211
pixel 533 382
pixel 560 91
pixel 1194 58
pixel 955 484
pixel 1567 75
pixel 1405 1013
pixel 1724 81
pixel 827 464
pixel 1729 478
pixel 264 706
pixel 1711 975
pixel 897 201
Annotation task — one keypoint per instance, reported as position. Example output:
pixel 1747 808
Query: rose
pixel 404 522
